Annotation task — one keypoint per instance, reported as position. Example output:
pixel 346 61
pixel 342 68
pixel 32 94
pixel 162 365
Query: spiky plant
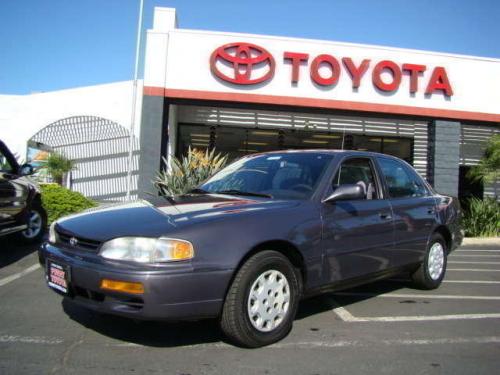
pixel 189 172
pixel 482 218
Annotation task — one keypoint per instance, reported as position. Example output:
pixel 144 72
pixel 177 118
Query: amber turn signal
pixel 122 286
pixel 181 250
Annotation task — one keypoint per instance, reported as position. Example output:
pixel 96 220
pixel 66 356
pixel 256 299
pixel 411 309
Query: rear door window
pixel 400 182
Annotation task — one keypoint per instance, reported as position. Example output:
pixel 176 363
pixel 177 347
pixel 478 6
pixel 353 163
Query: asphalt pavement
pixel 386 327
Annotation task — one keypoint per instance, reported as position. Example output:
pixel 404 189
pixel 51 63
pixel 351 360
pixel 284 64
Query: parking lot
pixel 385 327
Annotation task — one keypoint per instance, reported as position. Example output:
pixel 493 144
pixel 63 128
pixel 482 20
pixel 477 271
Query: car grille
pixel 81 243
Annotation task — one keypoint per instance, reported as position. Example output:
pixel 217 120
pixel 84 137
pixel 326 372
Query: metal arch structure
pixel 100 149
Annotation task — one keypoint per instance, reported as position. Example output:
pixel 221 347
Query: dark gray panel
pixel 152 134
pixel 444 156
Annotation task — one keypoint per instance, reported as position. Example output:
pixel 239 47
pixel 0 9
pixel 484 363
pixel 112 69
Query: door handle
pixel 385 216
pixel 431 211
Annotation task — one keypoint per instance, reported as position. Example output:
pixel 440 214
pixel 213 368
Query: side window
pixel 400 182
pixel 4 163
pixel 357 171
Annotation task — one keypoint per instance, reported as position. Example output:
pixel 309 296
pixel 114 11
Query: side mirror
pixel 26 169
pixel 346 192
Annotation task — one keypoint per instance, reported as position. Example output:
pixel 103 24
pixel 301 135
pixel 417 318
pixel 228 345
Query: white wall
pixel 21 116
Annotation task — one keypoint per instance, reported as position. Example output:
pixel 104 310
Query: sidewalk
pixel 481 241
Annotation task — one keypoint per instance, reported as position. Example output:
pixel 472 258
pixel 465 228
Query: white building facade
pixel 244 93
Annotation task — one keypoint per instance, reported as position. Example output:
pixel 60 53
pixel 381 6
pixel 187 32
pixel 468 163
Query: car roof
pixel 325 151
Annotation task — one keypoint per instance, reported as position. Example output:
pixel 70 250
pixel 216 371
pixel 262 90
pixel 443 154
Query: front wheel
pixel 37 225
pixel 431 272
pixel 262 301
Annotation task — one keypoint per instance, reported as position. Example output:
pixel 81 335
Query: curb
pixel 481 241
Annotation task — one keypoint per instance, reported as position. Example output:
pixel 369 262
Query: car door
pixel 12 192
pixel 358 235
pixel 414 210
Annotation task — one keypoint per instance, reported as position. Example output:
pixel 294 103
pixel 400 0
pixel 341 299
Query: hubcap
pixel 269 300
pixel 435 263
pixel 34 225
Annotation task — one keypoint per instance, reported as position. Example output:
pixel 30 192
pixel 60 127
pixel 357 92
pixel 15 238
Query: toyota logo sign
pixel 242 63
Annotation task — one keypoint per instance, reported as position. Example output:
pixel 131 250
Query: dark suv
pixel 21 211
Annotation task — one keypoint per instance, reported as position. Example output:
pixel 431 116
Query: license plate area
pixel 58 276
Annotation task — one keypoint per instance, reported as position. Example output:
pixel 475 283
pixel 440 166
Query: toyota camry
pixel 253 240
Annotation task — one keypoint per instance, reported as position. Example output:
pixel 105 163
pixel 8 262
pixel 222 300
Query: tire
pixel 431 272
pixel 253 292
pixel 37 225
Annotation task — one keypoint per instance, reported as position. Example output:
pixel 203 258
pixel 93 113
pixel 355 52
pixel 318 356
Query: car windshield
pixel 279 175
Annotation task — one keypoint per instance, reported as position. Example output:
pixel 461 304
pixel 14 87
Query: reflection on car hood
pixel 160 217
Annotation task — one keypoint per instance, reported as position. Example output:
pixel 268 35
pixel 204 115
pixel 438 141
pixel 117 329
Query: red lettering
pixel 356 73
pixel 395 72
pixel 56 272
pixel 334 67
pixel 58 280
pixel 414 70
pixel 296 58
pixel 439 81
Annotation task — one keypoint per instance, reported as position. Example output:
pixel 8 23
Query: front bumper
pixel 172 294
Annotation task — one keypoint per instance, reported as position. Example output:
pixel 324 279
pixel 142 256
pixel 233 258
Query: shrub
pixel 481 218
pixel 59 201
pixel 188 173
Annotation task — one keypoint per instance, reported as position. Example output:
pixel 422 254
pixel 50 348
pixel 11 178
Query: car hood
pixel 161 217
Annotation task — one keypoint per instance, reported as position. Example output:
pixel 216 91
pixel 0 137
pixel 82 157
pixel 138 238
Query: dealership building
pixel 245 93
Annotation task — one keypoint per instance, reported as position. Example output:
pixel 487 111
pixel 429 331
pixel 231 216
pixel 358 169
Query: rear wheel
pixel 431 272
pixel 37 225
pixel 262 301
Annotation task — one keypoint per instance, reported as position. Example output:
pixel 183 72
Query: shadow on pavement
pixel 11 251
pixel 174 334
pixel 155 334
pixel 373 290
pixel 322 303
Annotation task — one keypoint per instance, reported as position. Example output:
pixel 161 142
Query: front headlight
pixel 147 250
pixel 52 233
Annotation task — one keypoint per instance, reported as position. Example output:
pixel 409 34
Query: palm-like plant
pixel 489 166
pixel 58 165
pixel 189 172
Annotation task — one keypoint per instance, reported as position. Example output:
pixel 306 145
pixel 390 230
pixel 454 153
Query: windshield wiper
pixel 198 191
pixel 240 192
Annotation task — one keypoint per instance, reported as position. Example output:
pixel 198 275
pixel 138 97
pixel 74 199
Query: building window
pixel 240 141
